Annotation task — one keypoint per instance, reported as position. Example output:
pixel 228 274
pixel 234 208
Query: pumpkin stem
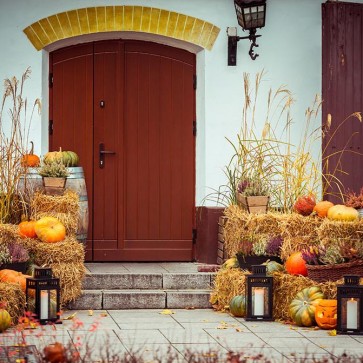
pixel 32 148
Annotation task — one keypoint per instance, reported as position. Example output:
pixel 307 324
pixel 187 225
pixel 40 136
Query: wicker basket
pixel 322 273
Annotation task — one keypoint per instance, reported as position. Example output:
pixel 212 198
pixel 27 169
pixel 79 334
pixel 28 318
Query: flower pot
pixel 54 186
pixel 16 266
pixel 245 262
pixel 253 204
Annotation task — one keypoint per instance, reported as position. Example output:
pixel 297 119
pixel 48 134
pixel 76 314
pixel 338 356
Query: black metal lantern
pixel 43 295
pixel 251 14
pixel 259 294
pixel 350 306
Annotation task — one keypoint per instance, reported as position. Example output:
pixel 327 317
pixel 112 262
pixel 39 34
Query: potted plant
pixel 331 262
pixel 252 195
pixel 355 201
pixel 256 250
pixel 54 174
pixel 13 256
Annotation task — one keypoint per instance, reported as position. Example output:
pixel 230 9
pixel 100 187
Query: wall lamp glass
pixel 251 14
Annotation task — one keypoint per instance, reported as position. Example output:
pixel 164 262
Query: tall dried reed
pixel 14 135
pixel 289 169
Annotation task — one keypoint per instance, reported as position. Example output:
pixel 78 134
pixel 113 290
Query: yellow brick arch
pixel 121 18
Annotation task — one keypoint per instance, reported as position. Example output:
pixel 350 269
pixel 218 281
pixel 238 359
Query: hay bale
pixel 227 284
pixel 14 298
pixel 286 288
pixel 64 207
pixel 70 276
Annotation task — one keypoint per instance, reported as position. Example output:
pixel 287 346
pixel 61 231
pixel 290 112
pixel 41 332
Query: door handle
pixel 102 153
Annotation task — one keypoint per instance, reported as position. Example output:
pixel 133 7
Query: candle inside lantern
pixel 44 304
pixel 352 314
pixel 259 295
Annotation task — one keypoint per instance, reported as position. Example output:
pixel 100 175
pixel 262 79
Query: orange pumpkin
pixel 50 229
pixel 296 265
pixel 27 229
pixel 322 208
pixel 55 353
pixel 14 277
pixel 30 160
pixel 326 314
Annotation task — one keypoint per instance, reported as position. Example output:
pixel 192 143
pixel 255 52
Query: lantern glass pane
pixel 53 304
pixel 260 301
pixel 350 314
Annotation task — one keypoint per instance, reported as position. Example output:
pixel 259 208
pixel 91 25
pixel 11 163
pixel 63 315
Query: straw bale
pixel 63 207
pixel 70 276
pixel 14 298
pixel 339 232
pixel 227 284
pixel 286 288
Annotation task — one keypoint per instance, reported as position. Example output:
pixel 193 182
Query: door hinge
pixel 50 79
pixel 194 236
pixel 194 81
pixel 195 128
pixel 50 127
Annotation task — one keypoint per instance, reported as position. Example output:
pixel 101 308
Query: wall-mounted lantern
pixel 350 306
pixel 259 288
pixel 251 14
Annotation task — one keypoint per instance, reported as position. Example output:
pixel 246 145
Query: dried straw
pixel 14 298
pixel 65 207
pixel 286 288
pixel 227 284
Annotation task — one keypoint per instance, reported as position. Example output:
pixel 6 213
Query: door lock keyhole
pixel 102 104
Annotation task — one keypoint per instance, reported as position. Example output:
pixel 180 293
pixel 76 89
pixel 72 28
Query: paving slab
pixel 142 336
pixel 107 267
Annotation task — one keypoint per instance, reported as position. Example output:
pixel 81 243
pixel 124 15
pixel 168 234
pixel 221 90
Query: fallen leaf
pixel 70 317
pixel 167 312
pixel 239 330
pixel 90 312
pixel 190 308
pixel 103 314
pixel 222 327
pixel 332 333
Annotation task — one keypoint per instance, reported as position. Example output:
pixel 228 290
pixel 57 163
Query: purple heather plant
pixel 243 185
pixel 17 252
pixel 273 246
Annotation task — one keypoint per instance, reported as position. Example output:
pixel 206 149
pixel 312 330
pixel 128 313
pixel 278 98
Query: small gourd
pixel 27 229
pixel 342 213
pixel 302 308
pixel 326 314
pixel 237 306
pixel 50 230
pixel 296 265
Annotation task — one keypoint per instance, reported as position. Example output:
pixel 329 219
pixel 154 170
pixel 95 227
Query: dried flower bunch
pixel 252 187
pixel 12 253
pixel 54 169
pixel 261 246
pixel 354 200
pixel 331 255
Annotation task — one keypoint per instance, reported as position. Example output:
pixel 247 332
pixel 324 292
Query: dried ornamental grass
pixel 14 298
pixel 227 284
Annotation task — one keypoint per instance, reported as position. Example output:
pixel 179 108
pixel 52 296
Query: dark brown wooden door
pixel 342 93
pixel 141 114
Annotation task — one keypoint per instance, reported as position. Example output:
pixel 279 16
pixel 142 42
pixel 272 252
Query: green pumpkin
pixel 273 266
pixel 5 320
pixel 302 308
pixel 237 306
pixel 69 158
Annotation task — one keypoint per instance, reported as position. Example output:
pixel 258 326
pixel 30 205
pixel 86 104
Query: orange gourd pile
pixel 14 277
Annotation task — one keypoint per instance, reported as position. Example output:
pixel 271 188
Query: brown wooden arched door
pixel 127 108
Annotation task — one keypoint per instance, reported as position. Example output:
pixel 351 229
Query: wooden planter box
pixel 54 186
pixel 255 204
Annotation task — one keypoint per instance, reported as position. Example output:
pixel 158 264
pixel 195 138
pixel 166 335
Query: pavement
pixel 181 335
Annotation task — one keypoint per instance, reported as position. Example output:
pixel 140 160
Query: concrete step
pixel 153 281
pixel 141 299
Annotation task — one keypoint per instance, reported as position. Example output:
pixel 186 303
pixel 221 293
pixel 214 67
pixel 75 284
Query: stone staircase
pixel 144 290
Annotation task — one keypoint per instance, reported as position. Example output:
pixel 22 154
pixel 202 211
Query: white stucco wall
pixel 290 53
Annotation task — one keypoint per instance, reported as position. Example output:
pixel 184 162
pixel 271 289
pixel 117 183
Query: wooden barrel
pixel 77 183
pixel 32 182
